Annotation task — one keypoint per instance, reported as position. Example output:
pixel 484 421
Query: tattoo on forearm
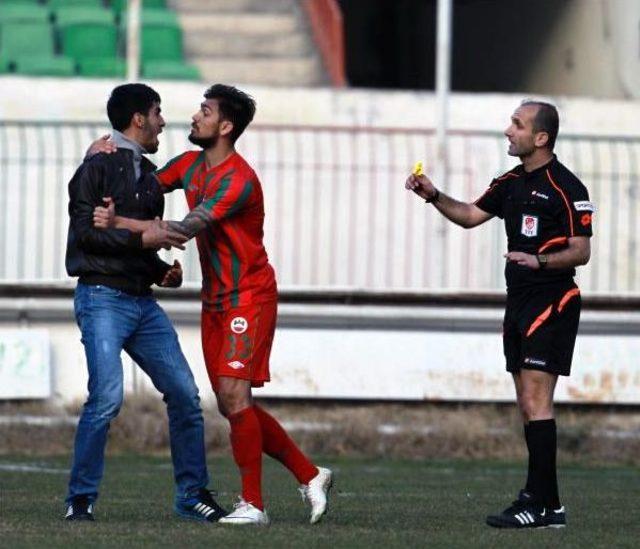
pixel 194 222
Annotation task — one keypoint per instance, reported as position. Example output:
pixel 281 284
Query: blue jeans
pixel 110 321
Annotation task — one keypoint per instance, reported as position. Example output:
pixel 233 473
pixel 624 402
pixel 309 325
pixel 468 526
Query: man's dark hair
pixel 128 99
pixel 546 120
pixel 234 105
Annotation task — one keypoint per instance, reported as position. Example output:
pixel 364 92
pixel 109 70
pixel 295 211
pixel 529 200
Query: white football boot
pixel 245 513
pixel 317 492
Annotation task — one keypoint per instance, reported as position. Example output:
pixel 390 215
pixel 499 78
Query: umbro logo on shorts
pixel 236 365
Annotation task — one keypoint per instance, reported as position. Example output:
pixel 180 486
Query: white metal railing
pixel 337 212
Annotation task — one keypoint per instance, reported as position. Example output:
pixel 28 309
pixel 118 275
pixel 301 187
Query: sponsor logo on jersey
pixel 536 193
pixel 585 220
pixel 529 225
pixel 535 361
pixel 236 365
pixel 239 325
pixel 584 206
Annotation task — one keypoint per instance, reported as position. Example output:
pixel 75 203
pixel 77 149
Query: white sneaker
pixel 245 513
pixel 317 492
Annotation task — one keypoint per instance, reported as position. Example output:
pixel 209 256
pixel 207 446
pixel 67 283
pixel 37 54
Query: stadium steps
pixel 271 6
pixel 250 42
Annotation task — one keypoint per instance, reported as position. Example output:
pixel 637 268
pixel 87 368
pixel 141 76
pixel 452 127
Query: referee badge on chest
pixel 529 225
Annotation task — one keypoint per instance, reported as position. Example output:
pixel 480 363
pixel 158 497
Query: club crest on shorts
pixel 236 365
pixel 529 225
pixel 239 325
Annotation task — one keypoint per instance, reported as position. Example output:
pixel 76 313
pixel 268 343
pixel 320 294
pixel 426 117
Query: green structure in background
pixel 88 38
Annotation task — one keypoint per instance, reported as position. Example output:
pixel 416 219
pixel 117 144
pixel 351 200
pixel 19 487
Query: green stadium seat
pixel 37 65
pixel 22 39
pixel 121 5
pixel 154 17
pixel 12 12
pixel 55 4
pixel 89 40
pixel 5 65
pixel 170 70
pixel 161 43
pixel 71 15
pixel 105 67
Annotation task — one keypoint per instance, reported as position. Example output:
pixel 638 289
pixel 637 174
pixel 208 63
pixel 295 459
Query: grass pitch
pixel 375 503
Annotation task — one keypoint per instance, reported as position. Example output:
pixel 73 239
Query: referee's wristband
pixel 434 198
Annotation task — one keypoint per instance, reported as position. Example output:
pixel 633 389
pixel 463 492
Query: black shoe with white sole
pixel 525 513
pixel 201 507
pixel 80 508
pixel 556 518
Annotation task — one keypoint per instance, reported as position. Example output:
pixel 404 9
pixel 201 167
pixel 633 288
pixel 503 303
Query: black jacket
pixel 113 257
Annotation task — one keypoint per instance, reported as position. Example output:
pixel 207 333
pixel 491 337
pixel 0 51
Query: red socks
pixel 246 443
pixel 253 431
pixel 277 444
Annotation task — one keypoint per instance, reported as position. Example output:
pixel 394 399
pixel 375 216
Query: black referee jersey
pixel 541 209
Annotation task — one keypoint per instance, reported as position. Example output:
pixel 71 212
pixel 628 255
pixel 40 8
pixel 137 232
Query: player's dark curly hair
pixel 546 120
pixel 128 99
pixel 234 105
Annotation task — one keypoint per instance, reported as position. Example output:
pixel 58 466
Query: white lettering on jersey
pixel 584 206
pixel 536 193
pixel 529 225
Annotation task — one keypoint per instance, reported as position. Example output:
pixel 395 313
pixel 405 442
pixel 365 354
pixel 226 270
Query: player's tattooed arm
pixel 194 222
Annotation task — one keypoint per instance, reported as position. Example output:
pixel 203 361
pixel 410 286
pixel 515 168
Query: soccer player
pixel 116 310
pixel 547 215
pixel 239 294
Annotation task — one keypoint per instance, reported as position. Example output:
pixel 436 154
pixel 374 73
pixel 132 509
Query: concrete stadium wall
pixel 85 100
pixel 409 353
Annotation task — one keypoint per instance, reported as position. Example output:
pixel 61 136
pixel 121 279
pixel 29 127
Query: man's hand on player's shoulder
pixel 103 144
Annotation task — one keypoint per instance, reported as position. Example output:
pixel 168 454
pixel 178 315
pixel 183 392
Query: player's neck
pixel 217 154
pixel 536 160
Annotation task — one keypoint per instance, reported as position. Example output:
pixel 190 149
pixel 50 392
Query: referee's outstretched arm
pixel 465 214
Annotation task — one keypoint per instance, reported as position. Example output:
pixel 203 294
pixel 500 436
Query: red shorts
pixel 237 343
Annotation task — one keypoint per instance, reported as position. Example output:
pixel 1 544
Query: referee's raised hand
pixel 422 186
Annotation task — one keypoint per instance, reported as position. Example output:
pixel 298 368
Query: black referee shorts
pixel 540 328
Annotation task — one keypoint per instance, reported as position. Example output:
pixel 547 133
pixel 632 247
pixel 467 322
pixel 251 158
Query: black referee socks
pixel 542 480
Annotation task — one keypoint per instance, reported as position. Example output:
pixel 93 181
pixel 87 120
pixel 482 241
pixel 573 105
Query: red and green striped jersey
pixel 235 267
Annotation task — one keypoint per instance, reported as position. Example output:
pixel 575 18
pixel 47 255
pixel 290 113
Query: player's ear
pixel 226 127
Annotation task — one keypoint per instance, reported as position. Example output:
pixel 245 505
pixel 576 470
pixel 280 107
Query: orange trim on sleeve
pixel 566 297
pixel 506 176
pixel 540 320
pixel 549 243
pixel 566 202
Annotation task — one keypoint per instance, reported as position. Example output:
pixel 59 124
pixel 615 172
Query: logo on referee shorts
pixel 236 365
pixel 239 325
pixel 529 225
pixel 535 361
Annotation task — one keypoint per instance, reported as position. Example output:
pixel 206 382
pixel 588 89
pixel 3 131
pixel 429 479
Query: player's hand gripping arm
pixel 578 252
pixel 156 233
pixel 461 213
pixel 194 222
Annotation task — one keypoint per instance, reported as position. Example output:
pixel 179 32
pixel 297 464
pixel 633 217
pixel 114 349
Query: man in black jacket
pixel 115 309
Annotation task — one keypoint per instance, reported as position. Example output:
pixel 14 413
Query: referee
pixel 547 216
